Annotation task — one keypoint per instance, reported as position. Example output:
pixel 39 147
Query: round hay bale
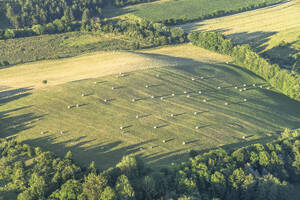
pixel 61 132
pixel 172 115
pixel 183 142
pixel 204 100
pixel 146 86
pixel 152 97
pixel 133 100
pixel 244 85
pixel 184 92
pixel 69 107
pixel 244 137
pixel 245 100
pixel 253 85
pixel 82 95
pixel 155 127
pixel 235 87
pixel 77 105
pixel 226 104
pixel 219 87
pixel 157 75
pixel 105 100
pixel 202 77
pixel 260 86
pixel 195 113
pixel 42 132
pixel 244 89
pixel 121 127
pixel 112 88
pixel 199 92
pixel 196 127
pixel 137 116
pixel 241 90
pixel 268 88
pixel 193 78
pixel 173 94
pixel 164 141
pixel 161 98
pixel 188 96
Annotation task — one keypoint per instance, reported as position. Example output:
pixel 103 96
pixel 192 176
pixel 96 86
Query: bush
pixel 44 81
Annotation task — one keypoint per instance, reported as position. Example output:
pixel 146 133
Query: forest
pixel 258 171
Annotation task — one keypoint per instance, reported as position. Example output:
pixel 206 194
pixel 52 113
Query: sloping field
pixel 154 128
pixel 258 27
pixel 182 9
pixel 100 64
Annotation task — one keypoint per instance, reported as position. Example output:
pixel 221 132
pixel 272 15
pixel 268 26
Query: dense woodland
pixel 262 172
pixel 286 81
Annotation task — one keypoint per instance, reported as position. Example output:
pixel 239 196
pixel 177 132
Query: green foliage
pixel 211 175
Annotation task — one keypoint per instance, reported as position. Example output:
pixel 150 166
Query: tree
pixel 124 189
pixel 93 186
pixel 69 190
pixel 85 16
pixel 108 194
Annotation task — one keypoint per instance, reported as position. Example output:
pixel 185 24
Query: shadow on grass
pixel 11 123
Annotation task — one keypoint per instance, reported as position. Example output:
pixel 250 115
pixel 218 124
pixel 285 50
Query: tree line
pixel 257 171
pixel 288 82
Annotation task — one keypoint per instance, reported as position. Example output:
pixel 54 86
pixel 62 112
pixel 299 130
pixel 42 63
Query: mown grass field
pixel 92 130
pixel 56 46
pixel 178 9
pixel 263 28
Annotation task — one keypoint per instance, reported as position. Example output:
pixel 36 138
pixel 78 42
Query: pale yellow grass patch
pixel 101 64
pixel 277 19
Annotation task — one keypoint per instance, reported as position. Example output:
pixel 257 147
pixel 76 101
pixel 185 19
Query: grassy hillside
pixel 61 45
pixel 188 9
pixel 92 130
pixel 264 29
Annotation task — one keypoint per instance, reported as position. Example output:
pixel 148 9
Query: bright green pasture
pixel 92 130
pixel 179 9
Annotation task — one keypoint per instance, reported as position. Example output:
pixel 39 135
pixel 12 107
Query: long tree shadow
pixel 11 123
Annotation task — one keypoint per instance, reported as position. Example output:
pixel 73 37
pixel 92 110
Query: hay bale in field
pixel 161 98
pixel 195 113
pixel 105 100
pixel 82 94
pixel 155 127
pixel 253 85
pixel 172 115
pixel 184 92
pixel 146 86
pixel 193 78
pixel 152 97
pixel 133 100
pixel 202 77
pixel 77 105
pixel 196 127
pixel 244 137
pixel 69 107
pixel 219 87
pixel 241 90
pixel 157 75
pixel 244 89
pixel 121 127
pixel 244 85
pixel 112 88
pixel 204 100
pixel 42 132
pixel 227 63
pixel 173 94
pixel 245 100
pixel 61 132
pixel 226 104
pixel 164 141
pixel 235 87
pixel 268 88
pixel 199 92
pixel 151 147
pixel 188 96
pixel 183 142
